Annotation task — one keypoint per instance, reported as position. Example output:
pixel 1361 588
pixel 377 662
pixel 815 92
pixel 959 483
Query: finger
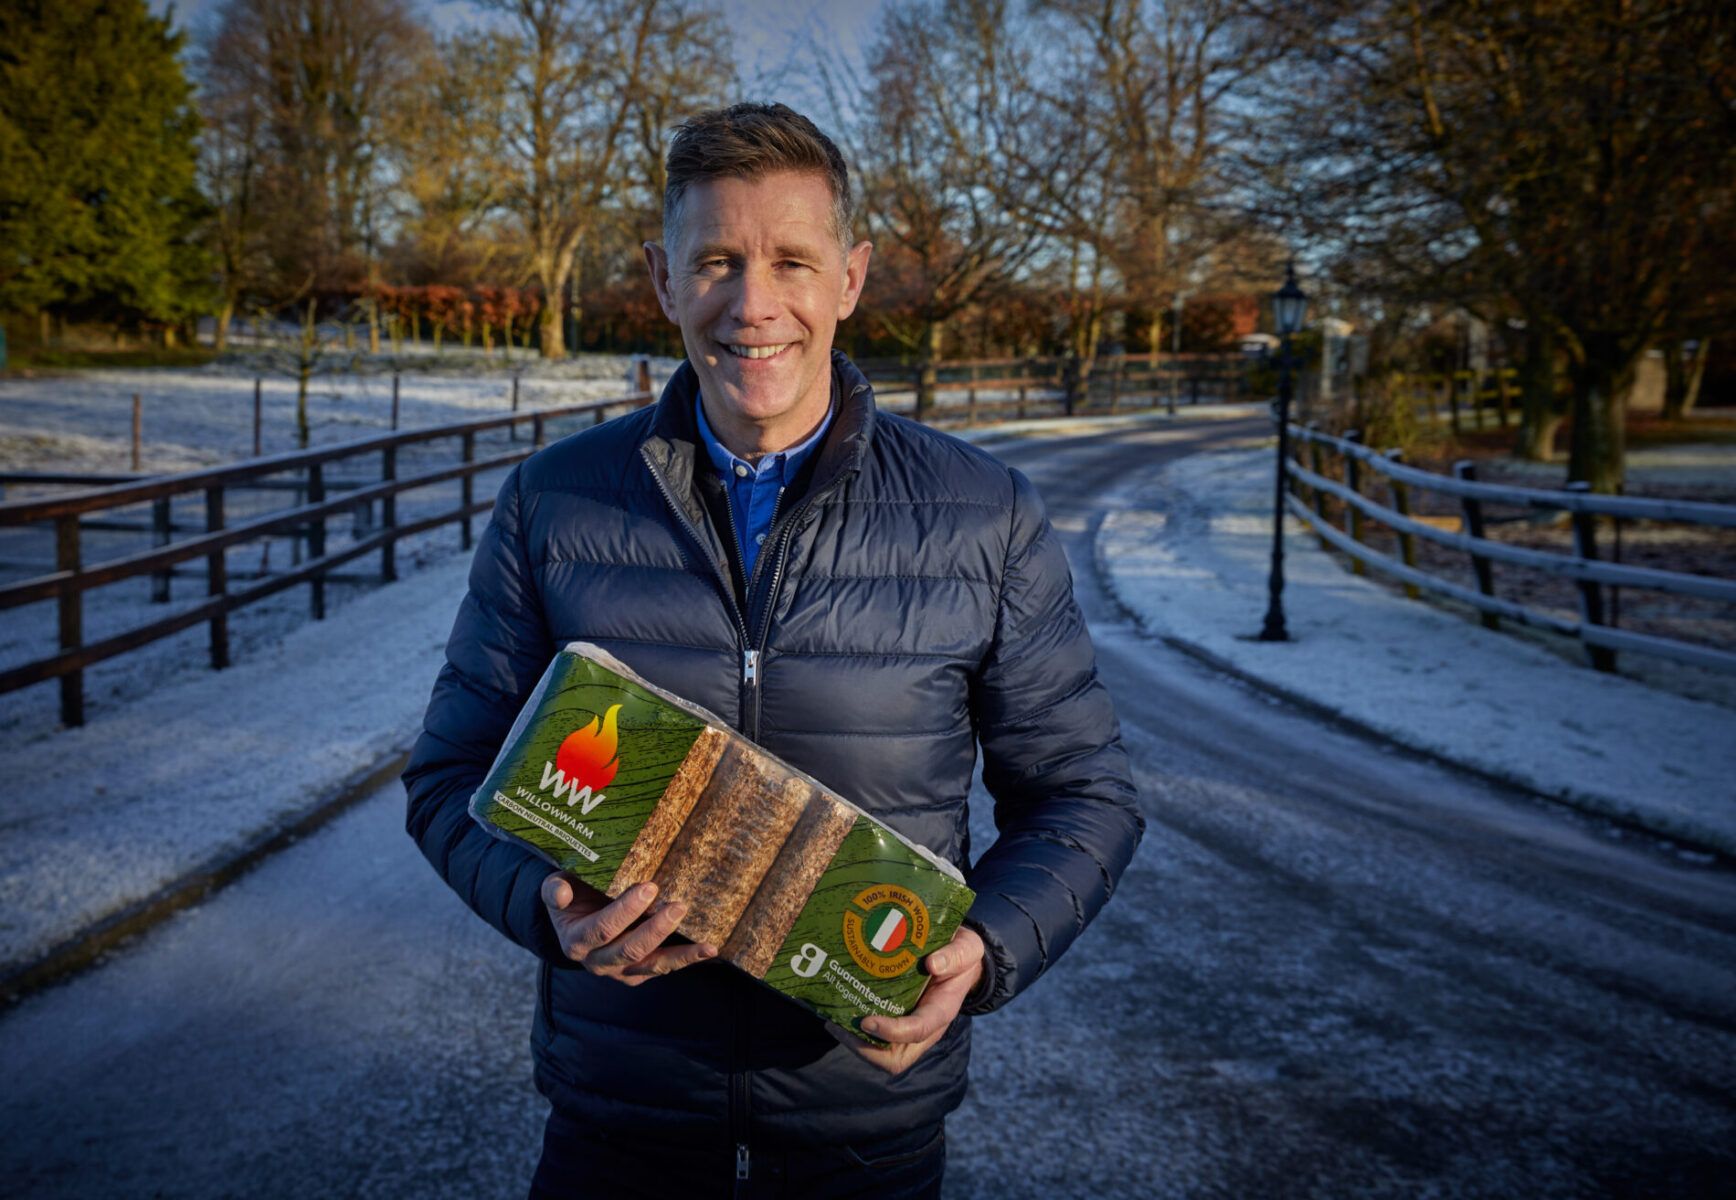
pixel 557 893
pixel 641 940
pixel 612 920
pixel 956 957
pixel 929 1019
pixel 665 959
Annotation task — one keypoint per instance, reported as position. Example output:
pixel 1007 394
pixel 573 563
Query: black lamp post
pixel 1289 304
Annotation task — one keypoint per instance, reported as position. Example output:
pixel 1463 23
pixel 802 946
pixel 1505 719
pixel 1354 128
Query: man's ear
pixel 657 259
pixel 855 275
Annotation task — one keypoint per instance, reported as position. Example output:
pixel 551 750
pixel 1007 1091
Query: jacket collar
pixel 673 445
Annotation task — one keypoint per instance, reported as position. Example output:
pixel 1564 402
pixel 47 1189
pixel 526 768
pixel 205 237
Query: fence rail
pixel 1584 568
pixel 307 519
pixel 1052 385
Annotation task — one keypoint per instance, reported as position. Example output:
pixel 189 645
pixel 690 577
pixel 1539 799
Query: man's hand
pixel 608 938
pixel 955 969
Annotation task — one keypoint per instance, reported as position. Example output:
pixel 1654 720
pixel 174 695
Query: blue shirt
pixel 754 491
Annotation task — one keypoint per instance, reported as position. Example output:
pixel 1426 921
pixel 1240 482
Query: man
pixel 864 597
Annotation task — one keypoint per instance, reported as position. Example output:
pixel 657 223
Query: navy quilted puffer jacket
pixel 912 603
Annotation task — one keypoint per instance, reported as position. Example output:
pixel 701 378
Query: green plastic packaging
pixel 618 782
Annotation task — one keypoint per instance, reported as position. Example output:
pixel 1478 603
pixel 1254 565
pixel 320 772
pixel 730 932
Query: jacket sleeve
pixel 1066 805
pixel 497 652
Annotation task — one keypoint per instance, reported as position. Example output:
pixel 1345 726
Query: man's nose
pixel 756 296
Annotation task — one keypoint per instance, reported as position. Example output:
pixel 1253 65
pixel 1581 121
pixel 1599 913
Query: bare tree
pixel 1154 83
pixel 451 177
pixel 232 153
pixel 577 70
pixel 1570 161
pixel 309 83
pixel 945 114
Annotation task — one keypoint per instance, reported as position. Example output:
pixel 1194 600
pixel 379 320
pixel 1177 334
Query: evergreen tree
pixel 99 211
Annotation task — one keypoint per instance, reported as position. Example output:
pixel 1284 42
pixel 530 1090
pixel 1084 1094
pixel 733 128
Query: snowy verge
pixel 1186 548
pixel 98 817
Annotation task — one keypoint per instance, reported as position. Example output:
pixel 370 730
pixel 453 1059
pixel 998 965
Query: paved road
pixel 1331 971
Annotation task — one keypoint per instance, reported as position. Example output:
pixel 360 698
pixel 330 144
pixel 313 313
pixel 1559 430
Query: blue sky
pixel 772 36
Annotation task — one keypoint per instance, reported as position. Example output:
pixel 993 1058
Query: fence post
pixel 467 490
pixel 217 580
pixel 1602 658
pixel 536 426
pixel 1407 542
pixel 512 429
pixel 66 558
pixel 160 535
pixel 970 407
pixel 1115 388
pixel 642 382
pixel 395 375
pixel 316 537
pixel 1353 514
pixel 1472 508
pixel 1318 465
pixel 1503 390
pixel 1021 402
pixel 258 416
pixel 389 515
pixel 138 430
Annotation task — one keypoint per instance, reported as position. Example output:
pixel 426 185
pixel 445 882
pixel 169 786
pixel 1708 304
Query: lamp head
pixel 1289 303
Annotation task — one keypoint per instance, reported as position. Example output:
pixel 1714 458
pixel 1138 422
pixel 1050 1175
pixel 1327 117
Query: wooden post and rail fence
pixel 1362 470
pixel 318 498
pixel 975 391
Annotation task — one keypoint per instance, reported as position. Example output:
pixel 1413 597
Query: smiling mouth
pixel 756 351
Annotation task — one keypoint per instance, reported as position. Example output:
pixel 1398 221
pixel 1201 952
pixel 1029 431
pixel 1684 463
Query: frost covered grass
pixel 194 417
pixel 1187 548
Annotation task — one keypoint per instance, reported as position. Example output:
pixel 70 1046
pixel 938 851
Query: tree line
pixel 1053 176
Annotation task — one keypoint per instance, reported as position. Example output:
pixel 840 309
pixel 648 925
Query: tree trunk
pixel 1601 382
pixel 1539 405
pixel 552 272
pixel 304 370
pixel 928 370
pixel 1682 379
pixel 225 315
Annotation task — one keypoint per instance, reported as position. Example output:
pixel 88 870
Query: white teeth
pixel 754 351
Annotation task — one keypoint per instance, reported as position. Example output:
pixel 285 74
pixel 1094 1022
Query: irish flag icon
pixel 887 930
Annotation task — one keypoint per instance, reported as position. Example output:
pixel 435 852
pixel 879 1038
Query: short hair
pixel 747 141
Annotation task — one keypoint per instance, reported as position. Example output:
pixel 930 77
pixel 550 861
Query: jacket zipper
pixel 749 656
pixel 738 1082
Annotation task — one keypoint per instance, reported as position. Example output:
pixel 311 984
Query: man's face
pixel 758 283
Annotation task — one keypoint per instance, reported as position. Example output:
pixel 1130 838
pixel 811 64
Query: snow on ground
pixel 103 815
pixel 1698 464
pixel 1187 550
pixel 82 421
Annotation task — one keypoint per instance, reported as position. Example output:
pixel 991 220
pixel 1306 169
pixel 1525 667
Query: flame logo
pixel 587 758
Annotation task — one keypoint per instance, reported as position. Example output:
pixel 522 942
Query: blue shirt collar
pixel 789 461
